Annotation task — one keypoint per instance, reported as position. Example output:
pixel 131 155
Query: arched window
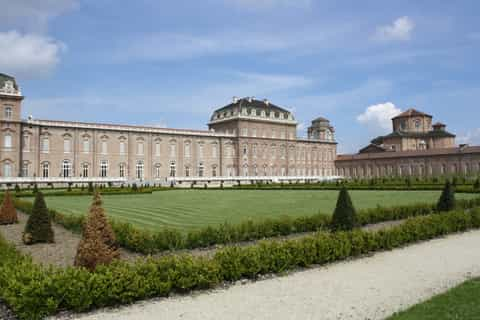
pixel 103 168
pixel 7 141
pixel 7 169
pixel 85 170
pixel 122 170
pixel 66 168
pixel 45 169
pixel 139 170
pixel 201 169
pixel 8 112
pixel 172 169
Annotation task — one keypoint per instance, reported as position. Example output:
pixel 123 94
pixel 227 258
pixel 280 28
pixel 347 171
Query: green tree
pixel 39 225
pixel 476 184
pixel 344 217
pixel 446 202
pixel 17 188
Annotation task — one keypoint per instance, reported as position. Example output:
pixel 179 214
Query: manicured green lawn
pixel 460 303
pixel 186 209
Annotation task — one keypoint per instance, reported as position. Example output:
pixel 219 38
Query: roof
pixel 321 119
pixel 425 135
pixel 372 148
pixel 407 154
pixel 439 124
pixel 412 113
pixel 253 103
pixel 5 77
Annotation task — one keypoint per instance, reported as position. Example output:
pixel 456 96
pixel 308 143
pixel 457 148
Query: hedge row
pixel 34 292
pixel 148 242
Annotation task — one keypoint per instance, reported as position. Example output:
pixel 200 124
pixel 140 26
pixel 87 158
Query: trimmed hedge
pixel 34 292
pixel 149 242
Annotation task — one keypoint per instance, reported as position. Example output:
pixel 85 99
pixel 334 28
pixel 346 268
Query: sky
pixel 171 63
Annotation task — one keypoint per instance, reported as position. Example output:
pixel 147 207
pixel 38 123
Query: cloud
pixel 400 30
pixel 32 15
pixel 28 55
pixel 378 117
pixel 471 137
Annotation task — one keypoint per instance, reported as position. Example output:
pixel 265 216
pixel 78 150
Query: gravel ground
pixel 61 253
pixel 6 313
pixel 367 288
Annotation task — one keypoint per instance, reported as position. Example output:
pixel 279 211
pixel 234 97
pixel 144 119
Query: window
pixel 140 148
pixel 45 170
pixel 26 143
pixel 66 168
pixel 139 170
pixel 86 145
pixel 214 150
pixel 157 149
pixel 254 132
pixel 104 147
pixel 244 150
pixel 187 150
pixel 244 132
pixel 200 150
pixel 172 169
pixel 201 169
pixel 245 170
pixel 173 150
pixel 122 170
pixel 273 133
pixel 122 147
pixel 25 169
pixel 8 112
pixel 85 170
pixel 187 171
pixel 7 169
pixel 157 171
pixel 67 145
pixel 214 171
pixel 254 150
pixel 103 168
pixel 7 141
pixel 418 123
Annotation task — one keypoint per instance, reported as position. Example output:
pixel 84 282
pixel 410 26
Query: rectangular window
pixel 200 150
pixel 8 112
pixel 187 150
pixel 45 170
pixel 244 132
pixel 140 149
pixel 157 149
pixel 86 145
pixel 122 147
pixel 25 170
pixel 254 132
pixel 104 147
pixel 7 141
pixel 7 170
pixel 66 146
pixel 85 170
pixel 103 168
pixel 214 151
pixel 122 170
pixel 26 143
pixel 173 150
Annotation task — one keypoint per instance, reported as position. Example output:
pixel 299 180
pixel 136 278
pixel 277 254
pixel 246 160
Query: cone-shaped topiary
pixel 446 202
pixel 8 213
pixel 39 224
pixel 98 245
pixel 344 217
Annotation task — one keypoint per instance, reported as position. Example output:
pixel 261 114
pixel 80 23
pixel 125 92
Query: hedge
pixel 33 291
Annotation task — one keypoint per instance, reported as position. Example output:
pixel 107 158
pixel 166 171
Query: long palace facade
pixel 246 138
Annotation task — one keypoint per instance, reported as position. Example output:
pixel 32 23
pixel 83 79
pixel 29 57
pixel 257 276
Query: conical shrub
pixel 39 225
pixel 8 213
pixel 344 217
pixel 98 245
pixel 446 202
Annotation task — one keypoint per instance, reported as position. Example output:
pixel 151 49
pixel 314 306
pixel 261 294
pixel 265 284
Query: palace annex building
pixel 248 139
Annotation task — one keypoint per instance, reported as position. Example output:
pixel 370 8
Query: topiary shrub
pixel 17 188
pixel 344 217
pixel 446 202
pixel 8 213
pixel 35 188
pixel 39 225
pixel 476 184
pixel 98 245
pixel 90 187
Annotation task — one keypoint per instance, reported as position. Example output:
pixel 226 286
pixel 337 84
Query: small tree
pixel 98 244
pixel 35 188
pixel 17 188
pixel 344 217
pixel 39 224
pixel 8 213
pixel 446 202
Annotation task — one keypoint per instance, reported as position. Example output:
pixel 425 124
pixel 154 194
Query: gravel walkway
pixel 61 253
pixel 368 288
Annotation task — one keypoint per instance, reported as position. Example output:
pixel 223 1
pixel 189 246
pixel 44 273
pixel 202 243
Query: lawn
pixel 462 302
pixel 187 209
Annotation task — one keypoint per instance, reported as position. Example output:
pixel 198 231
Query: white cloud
pixel 400 30
pixel 471 137
pixel 378 117
pixel 32 15
pixel 28 55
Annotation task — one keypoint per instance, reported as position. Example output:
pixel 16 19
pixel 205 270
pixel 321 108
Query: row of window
pixel 264 134
pixel 403 170
pixel 299 153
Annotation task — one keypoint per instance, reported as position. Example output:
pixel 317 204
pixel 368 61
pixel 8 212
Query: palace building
pixel 416 147
pixel 246 138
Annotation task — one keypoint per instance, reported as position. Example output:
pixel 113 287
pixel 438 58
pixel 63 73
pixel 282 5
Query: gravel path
pixel 368 288
pixel 61 253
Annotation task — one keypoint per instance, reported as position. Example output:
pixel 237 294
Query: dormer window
pixel 8 112
pixel 418 123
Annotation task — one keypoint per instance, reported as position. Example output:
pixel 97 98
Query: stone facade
pixel 414 148
pixel 248 137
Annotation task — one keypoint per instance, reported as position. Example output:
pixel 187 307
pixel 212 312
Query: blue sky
pixel 171 63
